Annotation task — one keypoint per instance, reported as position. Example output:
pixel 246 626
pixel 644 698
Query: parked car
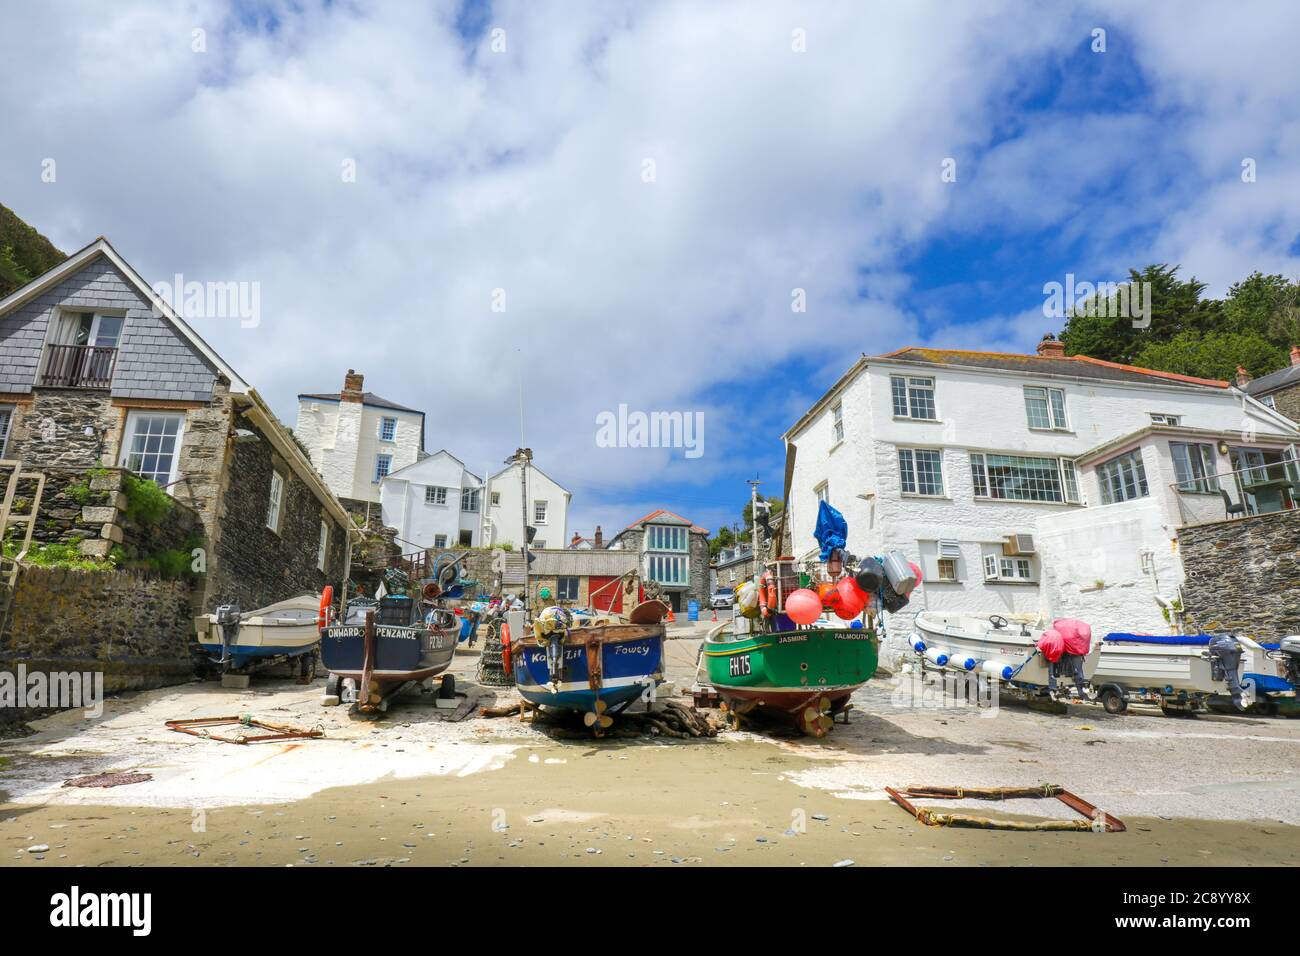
pixel 723 598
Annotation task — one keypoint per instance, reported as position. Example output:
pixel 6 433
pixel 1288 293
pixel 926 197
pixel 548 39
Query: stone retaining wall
pixel 1244 574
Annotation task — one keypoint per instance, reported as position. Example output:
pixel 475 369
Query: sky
pixel 547 210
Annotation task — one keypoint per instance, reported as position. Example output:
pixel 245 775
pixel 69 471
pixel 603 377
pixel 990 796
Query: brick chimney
pixel 599 540
pixel 352 387
pixel 1295 355
pixel 1243 377
pixel 1049 347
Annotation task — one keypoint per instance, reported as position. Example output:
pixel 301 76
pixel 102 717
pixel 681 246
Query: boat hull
pixel 787 674
pixel 287 629
pixel 1010 654
pixel 605 667
pixel 401 653
pixel 1162 666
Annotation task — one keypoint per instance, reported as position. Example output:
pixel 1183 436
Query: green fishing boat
pixel 805 675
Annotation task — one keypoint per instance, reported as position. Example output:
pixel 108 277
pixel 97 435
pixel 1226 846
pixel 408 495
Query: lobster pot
pixel 491 669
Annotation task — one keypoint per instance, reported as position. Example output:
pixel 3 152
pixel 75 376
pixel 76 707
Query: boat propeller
pixel 815 719
pixel 597 719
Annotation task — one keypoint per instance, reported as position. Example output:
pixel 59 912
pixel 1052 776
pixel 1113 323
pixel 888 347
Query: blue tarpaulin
pixel 832 530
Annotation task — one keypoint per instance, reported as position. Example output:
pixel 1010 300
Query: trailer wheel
pixel 1112 701
pixel 334 686
pixel 447 688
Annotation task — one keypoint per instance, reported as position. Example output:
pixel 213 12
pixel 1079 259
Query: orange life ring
pixel 505 647
pixel 766 593
pixel 325 609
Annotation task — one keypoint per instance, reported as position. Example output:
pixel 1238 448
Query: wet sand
pixel 609 804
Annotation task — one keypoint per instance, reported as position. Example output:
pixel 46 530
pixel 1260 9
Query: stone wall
pixel 133 627
pixel 251 564
pixel 1287 401
pixel 1244 574
pixel 50 431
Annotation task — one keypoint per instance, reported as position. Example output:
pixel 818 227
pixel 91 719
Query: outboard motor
pixel 228 621
pixel 1289 648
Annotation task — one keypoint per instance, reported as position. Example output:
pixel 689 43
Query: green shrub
pixel 146 503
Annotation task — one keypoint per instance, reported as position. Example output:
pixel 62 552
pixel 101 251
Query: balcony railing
pixel 78 366
pixel 1257 489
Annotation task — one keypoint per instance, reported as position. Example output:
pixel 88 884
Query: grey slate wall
pixel 153 361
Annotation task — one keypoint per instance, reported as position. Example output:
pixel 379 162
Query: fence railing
pixel 78 366
pixel 1242 492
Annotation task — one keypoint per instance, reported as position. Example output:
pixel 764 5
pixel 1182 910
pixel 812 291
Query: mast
pixel 522 457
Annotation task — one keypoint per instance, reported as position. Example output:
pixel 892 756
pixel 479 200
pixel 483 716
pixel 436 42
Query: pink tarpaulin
pixel 1052 644
pixel 1077 635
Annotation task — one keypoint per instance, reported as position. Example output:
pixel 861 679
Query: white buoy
pixel 965 663
pixel 997 669
pixel 936 656
pixel 918 644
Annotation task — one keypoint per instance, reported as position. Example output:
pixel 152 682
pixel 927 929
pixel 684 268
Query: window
pixel 6 420
pixel 1020 478
pixel 1045 408
pixel 383 465
pixel 1123 478
pixel 466 538
pixel 1000 568
pixel 1268 400
pixel 152 447
pixel 947 569
pixel 837 423
pixel 88 328
pixel 323 548
pixel 1159 418
pixel 387 429
pixel 823 492
pixel 665 537
pixel 539 512
pixel 435 495
pixel 913 397
pixel 276 504
pixel 920 471
pixel 469 499
pixel 1194 467
pixel 566 588
pixel 496 499
pixel 440 541
pixel 667 568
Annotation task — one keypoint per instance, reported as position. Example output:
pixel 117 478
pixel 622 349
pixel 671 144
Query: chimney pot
pixel 1295 355
pixel 1050 347
pixel 1243 377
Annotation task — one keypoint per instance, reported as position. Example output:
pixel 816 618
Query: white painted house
pixel 435 503
pixel 955 457
pixel 548 509
pixel 355 438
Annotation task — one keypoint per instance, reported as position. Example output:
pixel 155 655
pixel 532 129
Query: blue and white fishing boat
pixel 596 665
pixel 238 639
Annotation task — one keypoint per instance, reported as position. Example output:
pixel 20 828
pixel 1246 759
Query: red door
pixel 610 599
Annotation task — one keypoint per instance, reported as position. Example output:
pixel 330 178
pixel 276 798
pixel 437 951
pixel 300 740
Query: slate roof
pixel 1273 381
pixel 661 512
pixel 1077 366
pixel 367 398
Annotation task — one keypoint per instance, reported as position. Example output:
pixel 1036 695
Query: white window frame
pixel 1160 418
pixel 1197 454
pixel 1057 419
pixel 92 336
pixel 822 492
pixel 562 593
pixel 323 547
pixel 1142 485
pixel 919 383
pixel 668 538
pixel 539 512
pixel 837 423
pixel 128 438
pixel 384 434
pixel 440 541
pixel 470 496
pixel 907 454
pixel 1067 478
pixel 1003 568
pixel 382 456
pixel 955 563
pixel 496 499
pixel 275 502
pixel 435 495
pixel 10 412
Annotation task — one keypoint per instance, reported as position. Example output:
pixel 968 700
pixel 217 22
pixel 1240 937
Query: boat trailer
pixel 1097 820
pixel 199 727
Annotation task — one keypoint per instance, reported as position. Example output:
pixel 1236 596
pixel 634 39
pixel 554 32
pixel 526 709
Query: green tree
pixel 24 252
pixel 1215 355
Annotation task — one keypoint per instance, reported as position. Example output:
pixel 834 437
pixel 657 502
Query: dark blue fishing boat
pixel 595 665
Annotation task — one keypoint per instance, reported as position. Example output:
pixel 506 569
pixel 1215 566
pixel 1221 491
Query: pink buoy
pixel 803 606
pixel 916 569
pixel 852 599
